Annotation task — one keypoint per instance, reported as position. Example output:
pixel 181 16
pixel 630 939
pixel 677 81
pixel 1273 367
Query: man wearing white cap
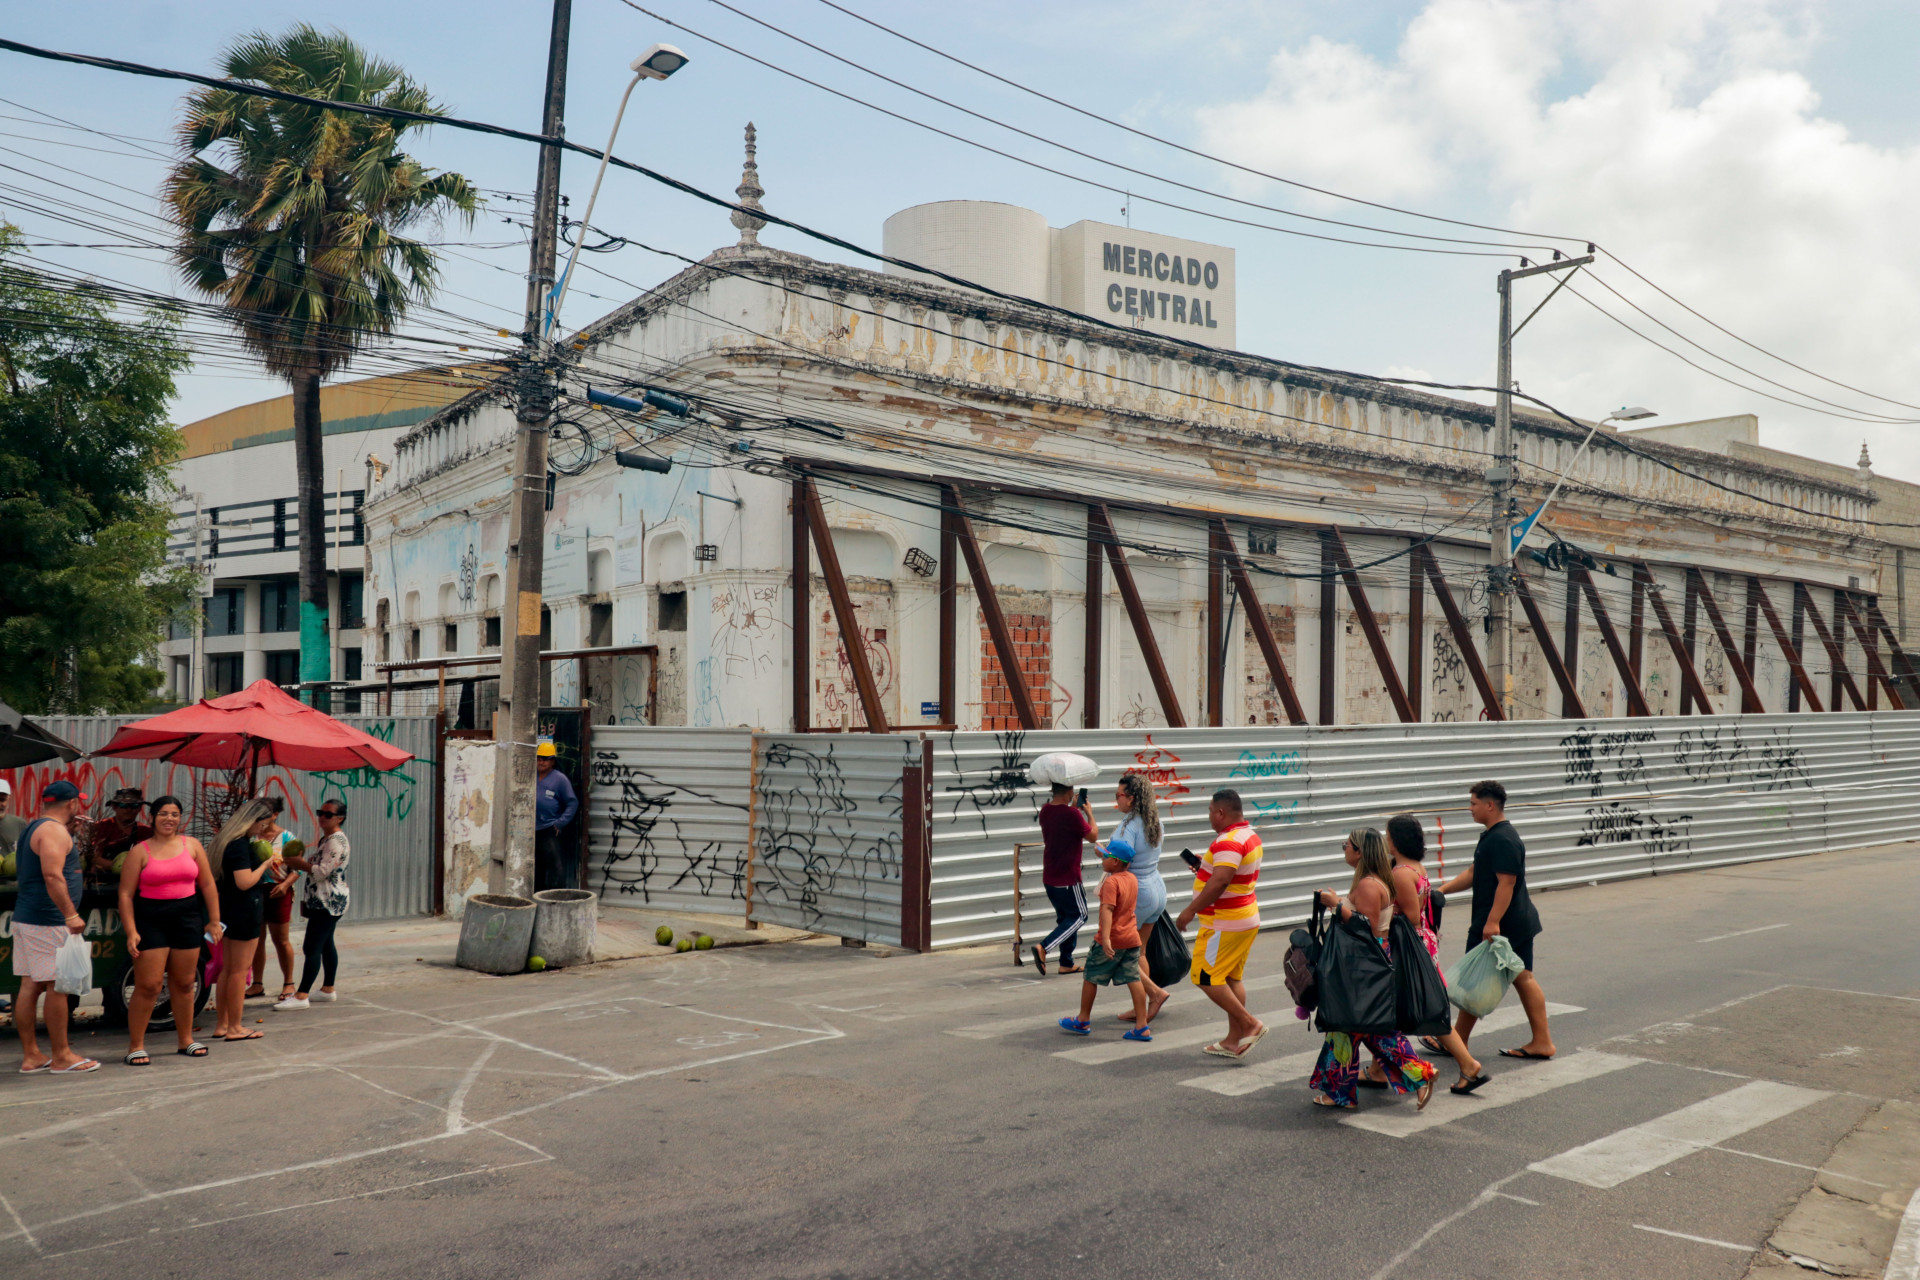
pixel 11 824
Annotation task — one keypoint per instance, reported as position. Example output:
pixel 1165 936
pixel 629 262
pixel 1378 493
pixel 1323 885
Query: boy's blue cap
pixel 58 791
pixel 1120 849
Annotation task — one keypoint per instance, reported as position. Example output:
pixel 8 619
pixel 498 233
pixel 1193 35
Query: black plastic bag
pixel 1168 958
pixel 1420 997
pixel 1355 981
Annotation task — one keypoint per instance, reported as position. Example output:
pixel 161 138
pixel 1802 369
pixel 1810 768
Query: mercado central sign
pixel 1162 284
pixel 1181 288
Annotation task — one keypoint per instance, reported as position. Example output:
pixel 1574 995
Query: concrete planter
pixel 495 933
pixel 564 926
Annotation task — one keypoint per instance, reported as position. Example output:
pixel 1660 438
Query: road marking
pixel 1903 1263
pixel 1795 1164
pixel 1513 1015
pixel 1681 1235
pixel 1273 1071
pixel 1612 1160
pixel 1012 1026
pixel 1722 937
pixel 1185 1038
pixel 1508 1087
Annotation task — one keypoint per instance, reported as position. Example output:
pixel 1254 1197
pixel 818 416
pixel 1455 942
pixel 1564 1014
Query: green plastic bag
pixel 1479 982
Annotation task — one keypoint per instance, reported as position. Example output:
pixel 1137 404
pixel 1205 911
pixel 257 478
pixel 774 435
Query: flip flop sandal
pixel 1431 1045
pixel 1465 1087
pixel 193 1050
pixel 1425 1096
pixel 1219 1050
pixel 34 1071
pixel 1139 1033
pixel 1524 1056
pixel 1040 960
pixel 245 1035
pixel 1254 1039
pixel 1368 1082
pixel 1322 1100
pixel 1071 968
pixel 138 1058
pixel 1076 1027
pixel 79 1068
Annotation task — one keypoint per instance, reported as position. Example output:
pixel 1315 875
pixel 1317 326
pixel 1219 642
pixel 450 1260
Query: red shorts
pixel 280 908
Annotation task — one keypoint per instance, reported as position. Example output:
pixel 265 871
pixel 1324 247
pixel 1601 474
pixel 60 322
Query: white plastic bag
pixel 1480 981
pixel 1064 767
pixel 73 967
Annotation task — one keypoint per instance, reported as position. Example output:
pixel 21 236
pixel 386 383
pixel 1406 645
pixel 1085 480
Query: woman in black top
pixel 243 893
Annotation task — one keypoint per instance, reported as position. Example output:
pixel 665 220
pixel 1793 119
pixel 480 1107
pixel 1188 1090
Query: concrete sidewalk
pixel 379 952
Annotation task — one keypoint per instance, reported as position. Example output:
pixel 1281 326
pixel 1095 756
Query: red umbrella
pixel 257 727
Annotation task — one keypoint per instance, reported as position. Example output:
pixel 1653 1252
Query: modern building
pixel 236 516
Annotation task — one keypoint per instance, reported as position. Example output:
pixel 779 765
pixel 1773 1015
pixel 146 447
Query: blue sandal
pixel 1076 1027
pixel 1139 1033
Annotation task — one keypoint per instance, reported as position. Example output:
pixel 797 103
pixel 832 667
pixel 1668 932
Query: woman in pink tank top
pixel 167 902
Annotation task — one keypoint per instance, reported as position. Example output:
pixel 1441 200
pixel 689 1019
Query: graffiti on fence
pixel 1621 822
pixel 646 832
pixel 1161 767
pixel 1586 753
pixel 812 847
pixel 1006 777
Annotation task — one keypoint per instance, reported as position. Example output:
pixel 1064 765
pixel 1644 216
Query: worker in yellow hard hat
pixel 555 807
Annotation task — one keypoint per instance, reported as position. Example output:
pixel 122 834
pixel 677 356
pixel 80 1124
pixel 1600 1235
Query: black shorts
pixel 1522 947
pixel 243 915
pixel 175 923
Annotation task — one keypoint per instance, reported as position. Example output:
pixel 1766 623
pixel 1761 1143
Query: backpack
pixel 1303 953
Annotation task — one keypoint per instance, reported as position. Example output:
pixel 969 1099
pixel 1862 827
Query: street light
pixel 657 63
pixel 1632 413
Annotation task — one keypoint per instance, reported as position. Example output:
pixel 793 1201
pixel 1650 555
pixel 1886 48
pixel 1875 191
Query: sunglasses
pixel 331 813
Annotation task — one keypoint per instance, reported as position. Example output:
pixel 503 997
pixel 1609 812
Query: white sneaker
pixel 323 997
pixel 293 1002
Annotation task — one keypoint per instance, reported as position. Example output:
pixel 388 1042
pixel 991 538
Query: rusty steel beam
pixel 1637 629
pixel 1096 621
pixel 1749 696
pixel 802 613
pixel 1462 633
pixel 1800 646
pixel 1142 625
pixel 1369 625
pixel 1842 678
pixel 1262 629
pixel 997 629
pixel 1216 634
pixel 1416 633
pixel 1636 701
pixel 1896 654
pixel 1750 632
pixel 1843 602
pixel 1329 629
pixel 1689 678
pixel 1571 707
pixel 843 613
pixel 1802 682
pixel 949 620
pixel 1689 631
pixel 1570 644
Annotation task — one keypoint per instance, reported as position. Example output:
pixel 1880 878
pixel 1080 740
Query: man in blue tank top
pixel 45 913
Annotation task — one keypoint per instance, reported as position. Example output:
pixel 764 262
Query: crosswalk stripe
pixel 1612 1160
pixel 1070 995
pixel 1185 1038
pixel 1512 1015
pixel 1239 1082
pixel 1505 1089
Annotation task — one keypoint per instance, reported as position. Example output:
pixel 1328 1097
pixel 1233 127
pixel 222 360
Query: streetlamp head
pixel 659 62
pixel 1632 413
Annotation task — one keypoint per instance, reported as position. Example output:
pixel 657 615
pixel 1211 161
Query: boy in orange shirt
pixel 1115 955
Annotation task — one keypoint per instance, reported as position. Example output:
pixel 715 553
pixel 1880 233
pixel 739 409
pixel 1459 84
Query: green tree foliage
pixel 294 218
pixel 84 495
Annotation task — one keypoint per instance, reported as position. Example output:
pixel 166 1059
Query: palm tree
pixel 291 216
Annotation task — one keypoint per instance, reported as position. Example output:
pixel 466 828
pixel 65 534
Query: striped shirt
pixel 1236 909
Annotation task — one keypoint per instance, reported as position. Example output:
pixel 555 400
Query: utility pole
pixel 534 394
pixel 1500 478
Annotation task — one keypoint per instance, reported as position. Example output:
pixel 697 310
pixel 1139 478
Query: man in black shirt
pixel 1501 905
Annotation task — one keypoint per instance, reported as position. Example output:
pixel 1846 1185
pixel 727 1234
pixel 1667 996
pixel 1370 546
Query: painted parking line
pixel 1612 1160
pixel 1505 1089
pixel 1185 1038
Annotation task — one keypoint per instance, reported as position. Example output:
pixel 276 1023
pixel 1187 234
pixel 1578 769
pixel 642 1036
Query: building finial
pixel 1864 467
pixel 749 192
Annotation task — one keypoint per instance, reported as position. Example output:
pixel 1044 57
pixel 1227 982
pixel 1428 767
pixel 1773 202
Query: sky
pixel 1756 162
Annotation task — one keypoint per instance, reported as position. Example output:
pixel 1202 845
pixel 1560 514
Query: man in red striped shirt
pixel 1223 898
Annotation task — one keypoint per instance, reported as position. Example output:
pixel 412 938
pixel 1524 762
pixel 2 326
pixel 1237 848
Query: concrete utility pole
pixel 1500 478
pixel 534 393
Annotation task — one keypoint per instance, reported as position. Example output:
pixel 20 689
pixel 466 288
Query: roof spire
pixel 1864 467
pixel 749 191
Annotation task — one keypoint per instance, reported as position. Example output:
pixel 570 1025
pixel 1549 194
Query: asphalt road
pixel 810 1110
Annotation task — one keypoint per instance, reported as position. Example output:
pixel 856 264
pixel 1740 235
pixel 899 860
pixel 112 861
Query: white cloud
pixel 1682 135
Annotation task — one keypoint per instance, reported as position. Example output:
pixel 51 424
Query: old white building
pixel 935 425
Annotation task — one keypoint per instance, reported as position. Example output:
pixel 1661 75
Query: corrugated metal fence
pixel 667 820
pixel 1594 800
pixel 390 816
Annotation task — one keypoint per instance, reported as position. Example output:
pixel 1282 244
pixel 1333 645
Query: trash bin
pixel 564 926
pixel 495 932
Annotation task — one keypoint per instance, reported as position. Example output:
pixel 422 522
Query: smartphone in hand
pixel 1191 858
pixel 1082 801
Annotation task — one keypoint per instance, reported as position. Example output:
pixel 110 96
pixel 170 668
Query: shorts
pixel 1522 947
pixel 241 914
pixel 1219 958
pixel 1122 969
pixel 34 949
pixel 280 909
pixel 174 923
